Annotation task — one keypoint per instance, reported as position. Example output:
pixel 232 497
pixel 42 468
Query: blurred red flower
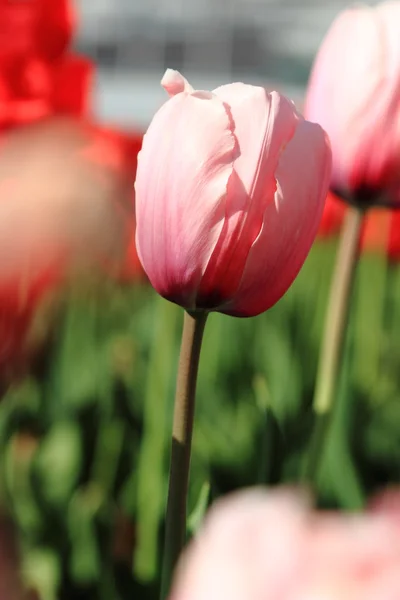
pixel 332 217
pixel 382 233
pixel 381 230
pixel 40 27
pixel 38 76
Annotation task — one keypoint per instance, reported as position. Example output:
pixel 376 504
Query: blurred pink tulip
pixel 259 545
pixel 66 192
pixel 230 189
pixel 354 93
pixel 63 201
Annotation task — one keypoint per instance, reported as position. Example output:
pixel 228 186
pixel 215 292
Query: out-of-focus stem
pixel 333 341
pixel 175 532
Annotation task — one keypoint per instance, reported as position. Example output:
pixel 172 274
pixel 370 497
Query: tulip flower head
pixel 354 94
pixel 65 209
pixel 258 545
pixel 230 189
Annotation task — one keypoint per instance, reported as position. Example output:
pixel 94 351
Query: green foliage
pixel 85 439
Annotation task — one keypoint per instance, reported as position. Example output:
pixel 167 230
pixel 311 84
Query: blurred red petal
pixel 115 148
pixel 131 269
pixel 120 149
pixel 42 27
pixel 375 232
pixel 35 78
pixel 17 25
pixel 394 236
pixel 54 27
pixel 25 92
pixel 332 217
pixel 72 83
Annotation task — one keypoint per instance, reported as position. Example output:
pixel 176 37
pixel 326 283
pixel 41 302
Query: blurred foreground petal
pixel 259 545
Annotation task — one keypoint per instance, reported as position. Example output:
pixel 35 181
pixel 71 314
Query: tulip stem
pixel 333 340
pixel 175 525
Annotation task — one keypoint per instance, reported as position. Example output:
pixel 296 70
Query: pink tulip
pixel 65 212
pixel 230 189
pixel 260 545
pixel 354 93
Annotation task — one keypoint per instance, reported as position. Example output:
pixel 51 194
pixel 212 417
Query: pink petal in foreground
pixel 269 545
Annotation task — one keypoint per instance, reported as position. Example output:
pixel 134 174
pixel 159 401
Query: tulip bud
pixel 354 93
pixel 230 189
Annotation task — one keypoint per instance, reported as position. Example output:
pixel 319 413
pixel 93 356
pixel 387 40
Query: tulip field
pixel 200 327
pixel 85 437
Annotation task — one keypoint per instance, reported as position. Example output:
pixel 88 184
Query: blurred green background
pixel 85 438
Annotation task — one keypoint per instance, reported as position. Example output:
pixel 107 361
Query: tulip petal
pixel 241 552
pixel 290 223
pixel 56 22
pixel 263 124
pixel 175 83
pixel 72 86
pixel 183 172
pixel 381 130
pixel 353 95
pixel 257 545
pixel 338 71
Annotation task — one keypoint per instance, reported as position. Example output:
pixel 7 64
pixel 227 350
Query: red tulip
pixel 230 189
pixel 38 77
pixel 354 93
pixel 41 28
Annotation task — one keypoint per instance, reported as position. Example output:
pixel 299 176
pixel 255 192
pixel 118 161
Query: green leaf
pixel 196 518
pixel 58 462
pixel 41 571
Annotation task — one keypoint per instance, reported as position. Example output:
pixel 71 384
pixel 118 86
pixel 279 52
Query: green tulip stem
pixel 333 340
pixel 175 532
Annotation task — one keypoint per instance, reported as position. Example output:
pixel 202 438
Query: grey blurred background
pixel 268 42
